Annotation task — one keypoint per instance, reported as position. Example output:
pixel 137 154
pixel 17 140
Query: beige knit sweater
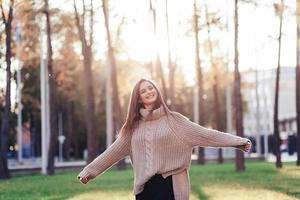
pixel 161 144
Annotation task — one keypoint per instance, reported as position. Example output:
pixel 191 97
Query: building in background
pixel 262 123
pixel 262 84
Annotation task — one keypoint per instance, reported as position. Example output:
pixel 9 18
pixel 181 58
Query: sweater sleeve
pixel 115 152
pixel 195 135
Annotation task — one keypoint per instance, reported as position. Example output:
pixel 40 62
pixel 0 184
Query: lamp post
pixel 45 107
pixel 19 92
pixel 109 110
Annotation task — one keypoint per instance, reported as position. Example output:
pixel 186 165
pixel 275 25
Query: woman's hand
pixel 83 180
pixel 245 147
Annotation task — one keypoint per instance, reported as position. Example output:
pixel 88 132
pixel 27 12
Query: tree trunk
pixel 4 172
pixel 172 67
pixel 117 110
pixel 215 84
pixel 201 153
pixel 52 95
pixel 276 125
pixel 90 116
pixel 160 76
pixel 240 160
pixel 92 140
pixel 298 83
pixel 152 64
pixel 217 115
pixel 159 70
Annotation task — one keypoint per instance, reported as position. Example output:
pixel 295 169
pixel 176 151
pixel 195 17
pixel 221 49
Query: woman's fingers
pixel 247 146
pixel 83 180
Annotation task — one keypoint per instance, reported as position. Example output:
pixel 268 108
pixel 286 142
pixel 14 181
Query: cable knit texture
pixel 161 144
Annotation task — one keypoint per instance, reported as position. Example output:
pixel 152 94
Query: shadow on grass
pixel 258 175
pixel 196 189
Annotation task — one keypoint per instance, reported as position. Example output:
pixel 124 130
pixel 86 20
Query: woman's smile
pixel 148 94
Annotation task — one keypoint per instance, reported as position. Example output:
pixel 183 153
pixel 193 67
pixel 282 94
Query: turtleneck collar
pixel 147 115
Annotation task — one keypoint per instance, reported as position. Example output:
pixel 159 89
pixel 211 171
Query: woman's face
pixel 148 94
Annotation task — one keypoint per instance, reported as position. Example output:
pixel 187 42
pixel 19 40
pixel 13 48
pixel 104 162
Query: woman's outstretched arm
pixel 117 151
pixel 195 135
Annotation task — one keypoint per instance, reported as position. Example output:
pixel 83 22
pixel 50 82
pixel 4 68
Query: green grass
pixel 260 181
pixel 210 182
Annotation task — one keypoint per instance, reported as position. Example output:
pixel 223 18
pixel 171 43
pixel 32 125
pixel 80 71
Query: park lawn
pixel 260 181
pixel 210 182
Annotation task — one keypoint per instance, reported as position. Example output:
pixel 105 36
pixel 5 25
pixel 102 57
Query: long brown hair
pixel 135 104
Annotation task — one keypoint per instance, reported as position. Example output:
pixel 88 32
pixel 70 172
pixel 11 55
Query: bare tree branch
pixel 80 27
pixel 10 12
pixel 2 12
pixel 119 29
pixel 83 14
pixel 91 24
pixel 76 13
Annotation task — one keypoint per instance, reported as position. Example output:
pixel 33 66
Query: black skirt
pixel 157 188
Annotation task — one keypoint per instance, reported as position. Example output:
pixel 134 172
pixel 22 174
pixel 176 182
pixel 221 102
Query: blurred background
pixel 67 69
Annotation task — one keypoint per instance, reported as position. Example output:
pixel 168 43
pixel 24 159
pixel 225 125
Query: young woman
pixel 159 142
